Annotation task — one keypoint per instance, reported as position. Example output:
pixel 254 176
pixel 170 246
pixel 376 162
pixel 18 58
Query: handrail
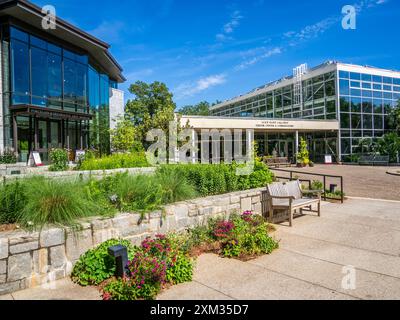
pixel 325 176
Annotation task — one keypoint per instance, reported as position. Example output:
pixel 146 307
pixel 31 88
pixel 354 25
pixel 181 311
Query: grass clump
pixel 115 161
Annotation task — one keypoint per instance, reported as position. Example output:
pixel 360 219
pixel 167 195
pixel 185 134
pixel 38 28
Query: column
pixel 15 134
pixel 194 146
pixel 296 149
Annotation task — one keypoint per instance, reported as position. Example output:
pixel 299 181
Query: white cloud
pixel 230 27
pixel 190 89
pixel 248 63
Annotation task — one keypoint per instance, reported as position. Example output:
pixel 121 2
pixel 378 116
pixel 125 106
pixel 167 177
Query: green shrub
pixel 115 161
pixel 126 290
pixel 180 270
pixel 58 160
pixel 317 185
pixel 54 202
pixel 245 235
pixel 214 179
pixel 174 187
pixel 96 265
pixel 12 201
pixel 8 157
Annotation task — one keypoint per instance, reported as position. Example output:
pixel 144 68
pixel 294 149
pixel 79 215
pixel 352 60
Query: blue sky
pixel 209 50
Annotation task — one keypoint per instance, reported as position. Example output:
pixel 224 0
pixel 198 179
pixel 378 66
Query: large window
pixel 38 68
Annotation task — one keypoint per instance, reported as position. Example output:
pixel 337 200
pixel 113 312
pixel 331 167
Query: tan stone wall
pixel 29 259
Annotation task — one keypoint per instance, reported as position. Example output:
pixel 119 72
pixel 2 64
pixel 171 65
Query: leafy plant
pixel 303 157
pixel 54 202
pixel 12 201
pixel 96 265
pixel 8 157
pixel 317 185
pixel 58 160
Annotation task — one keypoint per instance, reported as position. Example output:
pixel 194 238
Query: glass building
pixel 56 85
pixel 358 97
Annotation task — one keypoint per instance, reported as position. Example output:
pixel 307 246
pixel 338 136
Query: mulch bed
pixel 8 227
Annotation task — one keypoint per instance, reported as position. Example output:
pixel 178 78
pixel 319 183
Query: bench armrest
pixel 283 197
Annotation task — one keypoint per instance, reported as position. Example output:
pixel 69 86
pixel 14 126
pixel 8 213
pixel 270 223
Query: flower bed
pixel 168 260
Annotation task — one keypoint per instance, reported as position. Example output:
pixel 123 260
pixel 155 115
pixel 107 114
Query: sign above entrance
pixel 34 159
pixel 274 124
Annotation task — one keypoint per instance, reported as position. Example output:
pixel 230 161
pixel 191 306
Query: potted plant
pixel 303 157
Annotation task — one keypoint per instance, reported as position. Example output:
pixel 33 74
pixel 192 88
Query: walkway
pixel 309 264
pixel 359 181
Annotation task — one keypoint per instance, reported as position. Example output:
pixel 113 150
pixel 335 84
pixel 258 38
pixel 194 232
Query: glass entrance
pixel 48 134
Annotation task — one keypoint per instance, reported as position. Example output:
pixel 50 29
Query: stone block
pixel 101 224
pixel 24 247
pixel 20 242
pixel 40 261
pixel 127 225
pixel 77 243
pixel 3 266
pixel 19 267
pixel 234 199
pixel 57 257
pixel 234 208
pixel 9 287
pixel 205 211
pixel 3 248
pixel 3 278
pixel 102 235
pixel 52 237
pixel 223 201
pixel 245 204
pixel 181 211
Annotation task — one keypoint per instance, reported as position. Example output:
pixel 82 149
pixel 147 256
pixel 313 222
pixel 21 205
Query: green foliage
pixel 303 157
pixel 248 237
pixel 317 185
pixel 222 178
pixel 200 109
pixel 96 265
pixel 124 137
pixel 53 202
pixel 12 201
pixel 394 119
pixel 159 262
pixel 174 187
pixel 8 157
pixel 389 145
pixel 126 290
pixel 115 161
pixel 58 160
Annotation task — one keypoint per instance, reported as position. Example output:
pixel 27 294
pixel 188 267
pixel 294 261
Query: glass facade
pixel 365 102
pixel 319 95
pixel 360 102
pixel 47 75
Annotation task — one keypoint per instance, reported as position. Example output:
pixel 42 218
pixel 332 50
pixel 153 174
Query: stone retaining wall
pixel 76 174
pixel 29 259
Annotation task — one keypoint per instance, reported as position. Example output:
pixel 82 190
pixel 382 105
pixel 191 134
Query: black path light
pixel 120 253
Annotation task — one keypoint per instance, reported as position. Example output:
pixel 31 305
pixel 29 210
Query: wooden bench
pixel 374 160
pixel 277 162
pixel 289 197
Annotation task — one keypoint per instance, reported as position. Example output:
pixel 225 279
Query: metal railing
pixel 309 181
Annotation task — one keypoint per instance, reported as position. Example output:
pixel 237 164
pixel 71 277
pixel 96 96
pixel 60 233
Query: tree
pixel 151 108
pixel 394 118
pixel 389 145
pixel 200 109
pixel 124 136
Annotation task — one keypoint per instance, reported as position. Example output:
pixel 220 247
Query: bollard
pixel 332 188
pixel 120 253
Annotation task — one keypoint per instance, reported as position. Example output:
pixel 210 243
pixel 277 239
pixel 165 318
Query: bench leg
pixel 290 217
pixel 319 208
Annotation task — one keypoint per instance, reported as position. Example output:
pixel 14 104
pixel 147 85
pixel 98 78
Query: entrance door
pixel 48 136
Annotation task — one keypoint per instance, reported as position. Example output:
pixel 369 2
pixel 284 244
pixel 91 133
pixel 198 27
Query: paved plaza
pixel 359 181
pixel 310 263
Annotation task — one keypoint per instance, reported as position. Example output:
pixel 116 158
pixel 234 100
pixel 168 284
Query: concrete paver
pixel 361 233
